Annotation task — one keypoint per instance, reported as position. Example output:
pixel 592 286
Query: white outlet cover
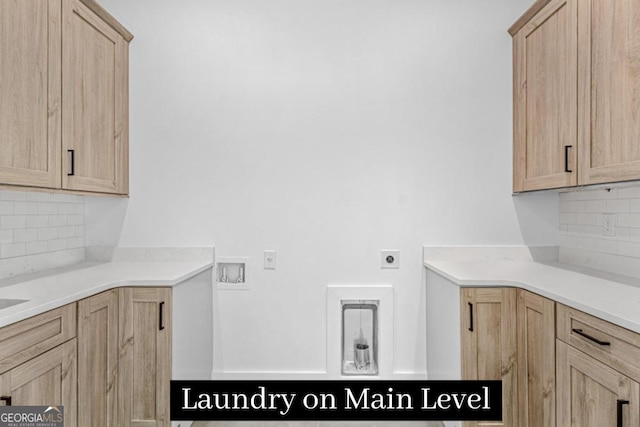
pixel 609 225
pixel 270 260
pixel 390 258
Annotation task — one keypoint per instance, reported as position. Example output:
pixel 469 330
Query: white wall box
pixel 349 307
pixel 64 109
pixel 231 273
pixel 360 337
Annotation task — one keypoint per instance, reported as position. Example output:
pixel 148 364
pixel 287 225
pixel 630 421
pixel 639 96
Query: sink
pixel 6 303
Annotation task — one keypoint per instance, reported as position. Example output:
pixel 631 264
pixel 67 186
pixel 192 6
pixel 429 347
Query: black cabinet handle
pixel 620 404
pixel 161 320
pixel 73 162
pixel 470 317
pixel 566 158
pixel 6 400
pixel 590 338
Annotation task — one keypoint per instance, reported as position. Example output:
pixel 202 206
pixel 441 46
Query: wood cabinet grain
pixel 95 98
pixel 609 94
pixel 489 344
pixel 590 392
pixel 31 337
pixel 536 360
pixel 30 104
pixel 98 360
pixel 48 379
pixel 109 367
pixel 64 114
pixel 576 94
pixel 124 348
pixel 145 356
pixel 545 92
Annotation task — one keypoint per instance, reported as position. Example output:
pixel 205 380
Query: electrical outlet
pixel 270 260
pixel 389 258
pixel 609 221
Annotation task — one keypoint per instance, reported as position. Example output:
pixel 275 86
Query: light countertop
pixel 607 296
pixel 51 289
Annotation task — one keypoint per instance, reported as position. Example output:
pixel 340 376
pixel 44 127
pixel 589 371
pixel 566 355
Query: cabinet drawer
pixel 613 345
pixel 31 337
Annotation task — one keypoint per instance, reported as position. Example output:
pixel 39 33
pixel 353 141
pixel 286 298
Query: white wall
pixel 326 130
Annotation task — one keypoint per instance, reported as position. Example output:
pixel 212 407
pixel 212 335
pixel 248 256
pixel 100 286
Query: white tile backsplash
pixel 25 235
pixel 6 208
pixel 13 195
pixel 47 233
pixel 38 222
pixel 36 248
pixel 12 250
pixel 25 208
pixel 6 236
pixel 628 220
pixel 582 238
pixel 12 221
pixel 57 245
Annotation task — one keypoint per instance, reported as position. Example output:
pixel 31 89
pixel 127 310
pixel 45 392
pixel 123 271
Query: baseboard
pixel 268 375
pixel 191 375
pixel 306 375
pixel 181 423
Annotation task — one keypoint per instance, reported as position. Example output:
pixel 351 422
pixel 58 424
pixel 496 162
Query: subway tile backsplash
pixel 33 223
pixel 582 238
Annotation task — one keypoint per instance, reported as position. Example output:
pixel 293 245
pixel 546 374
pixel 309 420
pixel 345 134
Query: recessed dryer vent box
pixel 231 273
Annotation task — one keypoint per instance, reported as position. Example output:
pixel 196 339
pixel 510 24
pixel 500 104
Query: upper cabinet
pixel 576 94
pixel 609 90
pixel 64 123
pixel 94 101
pixel 30 84
pixel 545 92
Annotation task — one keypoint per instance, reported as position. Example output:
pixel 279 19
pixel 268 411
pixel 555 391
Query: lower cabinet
pixel 489 350
pixel 592 394
pixel 508 334
pixel 124 366
pixel 598 371
pixel 38 359
pixel 98 360
pixel 106 359
pixel 48 379
pixel 536 361
pixel 145 357
pixel 589 376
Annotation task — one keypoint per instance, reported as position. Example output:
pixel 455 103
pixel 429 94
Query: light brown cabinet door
pixel 545 110
pixel 30 88
pixel 590 394
pixel 47 380
pixel 536 361
pixel 95 103
pixel 609 95
pixel 145 356
pixel 489 346
pixel 98 360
